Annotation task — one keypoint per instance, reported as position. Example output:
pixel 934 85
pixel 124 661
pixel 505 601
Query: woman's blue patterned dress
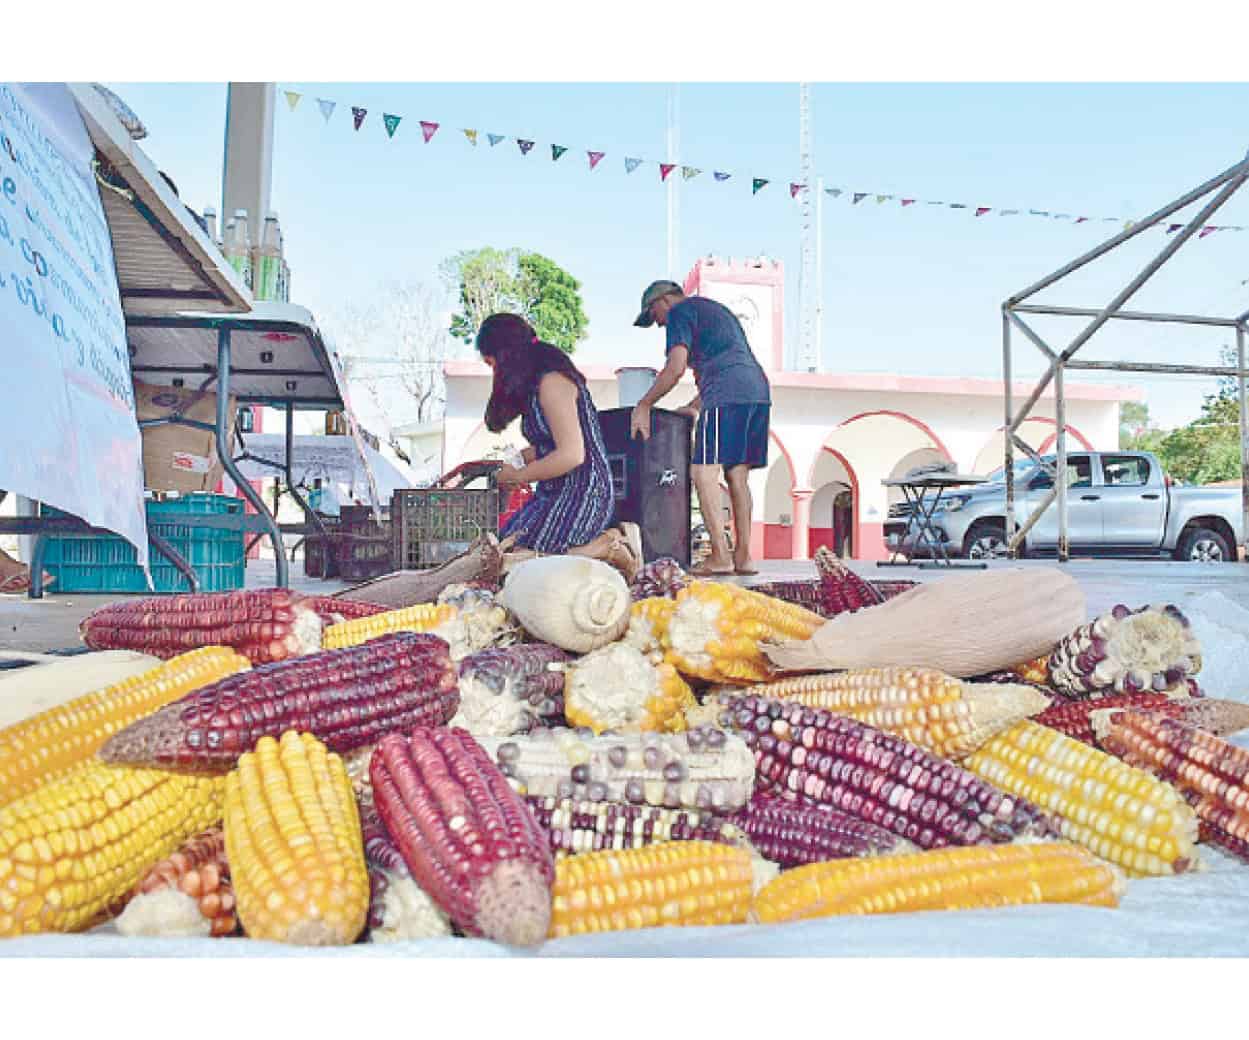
pixel 576 508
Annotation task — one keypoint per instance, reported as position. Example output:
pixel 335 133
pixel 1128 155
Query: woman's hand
pixel 509 476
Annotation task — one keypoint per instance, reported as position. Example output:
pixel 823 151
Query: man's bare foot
pixel 745 566
pixel 712 566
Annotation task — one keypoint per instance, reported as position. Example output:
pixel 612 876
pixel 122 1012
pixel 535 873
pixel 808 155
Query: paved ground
pixel 52 623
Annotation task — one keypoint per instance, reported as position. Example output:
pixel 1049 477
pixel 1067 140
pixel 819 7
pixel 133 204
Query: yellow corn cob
pixel 420 618
pixel 673 883
pixel 945 715
pixel 294 844
pixel 618 688
pixel 79 843
pixel 1035 671
pixel 967 878
pixel 50 744
pixel 648 623
pixel 1121 813
pixel 715 631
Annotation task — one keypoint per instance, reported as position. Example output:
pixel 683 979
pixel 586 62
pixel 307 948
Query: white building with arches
pixel 835 437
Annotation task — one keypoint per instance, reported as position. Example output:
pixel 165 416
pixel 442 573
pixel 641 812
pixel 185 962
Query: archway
pixel 1036 431
pixel 835 505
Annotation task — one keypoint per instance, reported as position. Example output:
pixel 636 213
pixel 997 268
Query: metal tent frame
pixel 1226 184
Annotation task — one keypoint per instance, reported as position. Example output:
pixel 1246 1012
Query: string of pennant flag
pixel 390 123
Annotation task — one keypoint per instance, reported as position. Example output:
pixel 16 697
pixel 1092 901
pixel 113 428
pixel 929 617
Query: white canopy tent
pixel 332 460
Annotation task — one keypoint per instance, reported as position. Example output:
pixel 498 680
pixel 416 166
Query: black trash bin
pixel 651 480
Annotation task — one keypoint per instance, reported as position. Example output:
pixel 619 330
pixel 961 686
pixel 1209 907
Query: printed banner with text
pixel 67 427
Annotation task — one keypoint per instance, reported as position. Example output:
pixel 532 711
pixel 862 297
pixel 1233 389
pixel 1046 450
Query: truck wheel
pixel 986 541
pixel 1202 545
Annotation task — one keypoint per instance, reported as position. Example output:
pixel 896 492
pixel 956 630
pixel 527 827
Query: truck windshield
pixel 1022 468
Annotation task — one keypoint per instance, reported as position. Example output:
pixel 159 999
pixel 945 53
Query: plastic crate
pixel 433 525
pixel 319 559
pixel 107 563
pixel 360 548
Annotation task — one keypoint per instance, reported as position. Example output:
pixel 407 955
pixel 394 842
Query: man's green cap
pixel 654 291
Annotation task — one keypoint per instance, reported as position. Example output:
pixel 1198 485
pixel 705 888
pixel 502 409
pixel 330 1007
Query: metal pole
pixel 1135 229
pixel 1090 312
pixel 1033 397
pixel 1193 227
pixel 1036 340
pixel 1244 438
pixel 227 457
pixel 819 273
pixel 1007 430
pixel 1060 478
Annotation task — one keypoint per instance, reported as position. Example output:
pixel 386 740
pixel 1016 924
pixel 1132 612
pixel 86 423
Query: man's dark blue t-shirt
pixel 724 366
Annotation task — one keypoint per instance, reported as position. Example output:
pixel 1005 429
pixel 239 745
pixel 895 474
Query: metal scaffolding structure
pixel 1225 185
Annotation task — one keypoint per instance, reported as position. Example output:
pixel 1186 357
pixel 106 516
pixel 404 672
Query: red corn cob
pixel 198 870
pixel 345 698
pixel 1075 718
pixel 813 756
pixel 332 611
pixel 576 827
pixel 411 914
pixel 1211 774
pixel 264 625
pixel 793 835
pixel 841 589
pixel 466 836
pixel 808 594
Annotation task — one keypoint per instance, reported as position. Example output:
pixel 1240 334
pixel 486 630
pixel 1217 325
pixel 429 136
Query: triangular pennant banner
pixel 690 172
pixel 882 198
pixel 908 202
pixel 327 108
pixel 859 196
pixel 292 98
pixel 1008 213
pixel 933 202
pixel 632 164
pixel 1172 228
pixel 794 189
pixel 392 123
pixel 472 137
pixel 358 114
pixel 594 158
pixel 1062 216
pixel 1206 230
pixel 958 205
pixel 665 169
pixel 982 210
pixel 1038 213
pixel 756 184
pixel 1081 220
pixel 720 175
pixel 495 139
pixel 556 151
pixel 834 192
pixel 428 130
pixel 1110 220
pixel 524 146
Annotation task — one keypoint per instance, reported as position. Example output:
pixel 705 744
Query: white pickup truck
pixel 1118 504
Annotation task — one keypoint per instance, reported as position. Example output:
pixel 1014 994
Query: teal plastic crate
pixel 106 563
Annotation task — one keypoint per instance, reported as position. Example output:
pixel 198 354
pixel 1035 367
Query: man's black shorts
pixel 732 435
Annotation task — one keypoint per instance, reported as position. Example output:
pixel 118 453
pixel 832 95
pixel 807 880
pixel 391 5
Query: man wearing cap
pixel 732 406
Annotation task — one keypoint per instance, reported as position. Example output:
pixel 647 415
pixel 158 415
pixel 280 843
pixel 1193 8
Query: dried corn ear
pixel 577 827
pixel 617 688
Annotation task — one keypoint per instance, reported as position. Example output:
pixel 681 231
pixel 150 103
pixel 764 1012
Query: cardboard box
pixel 179 458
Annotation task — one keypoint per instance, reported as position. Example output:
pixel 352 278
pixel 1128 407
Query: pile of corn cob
pixel 325 772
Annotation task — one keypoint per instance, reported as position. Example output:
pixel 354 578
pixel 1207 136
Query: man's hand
pixel 508 476
pixel 640 422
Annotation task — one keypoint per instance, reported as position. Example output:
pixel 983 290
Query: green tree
pixel 1133 424
pixel 491 280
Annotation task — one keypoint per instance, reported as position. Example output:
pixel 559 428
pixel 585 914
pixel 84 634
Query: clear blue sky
pixel 913 290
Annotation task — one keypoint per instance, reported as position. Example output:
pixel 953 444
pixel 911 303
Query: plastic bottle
pixel 268 260
pixel 237 246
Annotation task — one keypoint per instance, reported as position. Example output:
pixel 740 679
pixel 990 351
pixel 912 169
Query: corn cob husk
pixel 261 624
pixel 506 690
pixel 347 698
pixel 945 715
pixel 673 883
pixel 52 743
pixel 421 618
pixel 945 879
pixel 576 827
pixel 1120 813
pixel 716 630
pixel 77 845
pixel 186 894
pixel 467 838
pixel 34 688
pixel 617 688
pixel 1126 651
pixel 294 844
pixel 821 759
pixel 702 768
pixel 1209 772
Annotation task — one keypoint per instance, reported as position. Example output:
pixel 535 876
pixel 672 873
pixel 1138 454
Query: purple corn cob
pixel 815 757
pixel 522 674
pixel 346 698
pixel 793 835
pixel 586 826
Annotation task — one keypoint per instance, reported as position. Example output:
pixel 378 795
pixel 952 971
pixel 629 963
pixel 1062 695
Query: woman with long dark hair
pixel 572 504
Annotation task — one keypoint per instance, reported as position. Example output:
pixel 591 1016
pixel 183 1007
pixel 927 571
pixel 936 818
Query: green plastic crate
pixel 106 563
